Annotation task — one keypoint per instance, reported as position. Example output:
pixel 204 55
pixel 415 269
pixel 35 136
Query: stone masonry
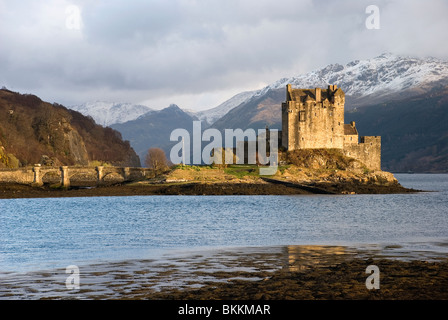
pixel 314 119
pixel 79 176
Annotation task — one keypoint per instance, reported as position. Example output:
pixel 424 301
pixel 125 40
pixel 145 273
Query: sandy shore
pixel 255 273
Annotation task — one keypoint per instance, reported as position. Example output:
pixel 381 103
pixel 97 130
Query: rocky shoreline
pixel 11 190
pixel 303 272
pixel 311 172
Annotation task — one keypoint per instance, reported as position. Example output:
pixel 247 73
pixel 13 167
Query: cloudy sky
pixel 198 53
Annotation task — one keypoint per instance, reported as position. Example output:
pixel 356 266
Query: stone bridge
pixel 80 176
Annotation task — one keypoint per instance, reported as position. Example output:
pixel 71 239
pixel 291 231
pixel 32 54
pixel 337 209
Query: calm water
pixel 38 234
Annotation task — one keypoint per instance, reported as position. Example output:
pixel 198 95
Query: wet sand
pixel 254 273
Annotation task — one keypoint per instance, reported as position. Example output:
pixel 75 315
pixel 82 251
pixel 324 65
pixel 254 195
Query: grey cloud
pixel 140 50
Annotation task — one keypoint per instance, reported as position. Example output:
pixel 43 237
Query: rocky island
pixel 336 174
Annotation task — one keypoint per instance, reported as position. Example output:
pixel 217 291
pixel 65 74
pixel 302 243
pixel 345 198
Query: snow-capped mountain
pixel 413 89
pixel 364 82
pixel 377 77
pixel 367 82
pixel 108 113
pixel 402 99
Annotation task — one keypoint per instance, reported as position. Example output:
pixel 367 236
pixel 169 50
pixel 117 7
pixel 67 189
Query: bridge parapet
pixel 68 176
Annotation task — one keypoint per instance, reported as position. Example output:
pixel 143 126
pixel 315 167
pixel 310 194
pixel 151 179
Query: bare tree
pixel 156 159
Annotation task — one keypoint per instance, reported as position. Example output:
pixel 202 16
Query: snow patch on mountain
pixel 374 78
pixel 212 115
pixel 383 74
pixel 109 113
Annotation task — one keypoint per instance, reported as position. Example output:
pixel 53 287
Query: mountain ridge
pixel 364 82
pixel 33 131
pixel 387 79
pixel 108 113
pixel 152 130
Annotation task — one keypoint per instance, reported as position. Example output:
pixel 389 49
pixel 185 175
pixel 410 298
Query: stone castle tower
pixel 314 119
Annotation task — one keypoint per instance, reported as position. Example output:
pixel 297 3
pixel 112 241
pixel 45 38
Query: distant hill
pixel 256 113
pixel 410 87
pixel 153 130
pixel 402 99
pixel 210 116
pixel 414 131
pixel 33 131
pixel 365 82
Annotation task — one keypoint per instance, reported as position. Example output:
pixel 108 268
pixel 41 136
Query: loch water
pixel 37 234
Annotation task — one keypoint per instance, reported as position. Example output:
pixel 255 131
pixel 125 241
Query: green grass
pixel 241 171
pixel 238 170
pixel 190 167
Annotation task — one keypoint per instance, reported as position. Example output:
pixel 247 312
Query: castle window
pixel 332 129
pixel 302 116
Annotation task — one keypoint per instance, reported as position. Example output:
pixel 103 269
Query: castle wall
pixel 368 151
pixel 314 119
pixel 350 134
pixel 350 139
pixel 313 124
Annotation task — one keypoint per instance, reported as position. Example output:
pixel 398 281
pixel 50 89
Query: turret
pixel 318 95
pixel 288 92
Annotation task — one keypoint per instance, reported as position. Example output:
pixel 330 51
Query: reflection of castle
pixel 305 257
pixel 314 119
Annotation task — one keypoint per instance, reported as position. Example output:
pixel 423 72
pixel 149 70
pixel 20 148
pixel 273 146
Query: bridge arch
pixel 97 175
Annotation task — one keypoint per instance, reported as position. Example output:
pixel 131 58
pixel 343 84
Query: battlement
pixel 368 151
pixel 371 140
pixel 316 95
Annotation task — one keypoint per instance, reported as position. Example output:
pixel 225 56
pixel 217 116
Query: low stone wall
pixel 74 176
pixel 368 151
pixel 25 175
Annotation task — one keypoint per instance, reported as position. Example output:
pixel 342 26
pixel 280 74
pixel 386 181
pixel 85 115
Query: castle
pixel 314 119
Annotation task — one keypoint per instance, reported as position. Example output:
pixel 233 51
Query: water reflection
pixel 193 269
pixel 300 258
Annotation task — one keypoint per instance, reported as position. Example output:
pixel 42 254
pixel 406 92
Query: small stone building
pixel 314 119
